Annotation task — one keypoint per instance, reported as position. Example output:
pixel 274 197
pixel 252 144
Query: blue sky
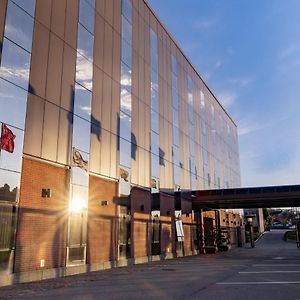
pixel 248 51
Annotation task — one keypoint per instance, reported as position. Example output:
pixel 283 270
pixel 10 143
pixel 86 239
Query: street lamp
pixel 249 219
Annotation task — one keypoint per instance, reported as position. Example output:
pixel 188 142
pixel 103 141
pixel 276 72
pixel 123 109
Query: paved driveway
pixel 269 271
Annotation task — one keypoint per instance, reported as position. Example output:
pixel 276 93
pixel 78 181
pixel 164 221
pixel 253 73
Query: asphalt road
pixel 269 271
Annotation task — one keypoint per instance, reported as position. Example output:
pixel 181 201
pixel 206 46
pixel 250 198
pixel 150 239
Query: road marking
pixel 267 272
pixel 276 265
pixel 258 282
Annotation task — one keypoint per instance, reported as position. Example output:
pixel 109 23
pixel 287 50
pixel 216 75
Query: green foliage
pixel 267 218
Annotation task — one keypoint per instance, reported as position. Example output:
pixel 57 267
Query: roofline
pixel 188 60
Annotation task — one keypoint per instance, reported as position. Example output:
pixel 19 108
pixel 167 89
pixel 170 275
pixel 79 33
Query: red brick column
pixel 42 222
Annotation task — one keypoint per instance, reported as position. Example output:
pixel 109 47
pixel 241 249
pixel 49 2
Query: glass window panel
pixel 87 15
pixel 205 157
pixel 125 153
pixel 91 2
pixel 153 40
pixel 79 198
pixel 126 77
pixel 174 65
pixel 177 174
pixel 126 53
pixel 13 104
pixel 154 59
pixel 154 100
pixel 125 101
pixel 154 143
pixel 84 72
pixel 191 114
pixel 174 84
pixel 154 121
pixel 80 176
pixel 13 161
pixel 27 5
pixel 126 31
pixel 154 165
pixel 176 156
pixel 124 181
pixel 9 185
pixel 192 148
pixel 175 118
pixel 85 42
pixel 176 136
pixel 175 99
pixel 127 9
pixel 192 132
pixel 19 26
pixel 82 102
pixel 81 134
pixel 125 126
pixel 154 80
pixel 15 64
pixel 203 127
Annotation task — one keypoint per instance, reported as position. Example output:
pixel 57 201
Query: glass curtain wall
pixel 125 134
pixel 14 76
pixel 193 170
pixel 79 186
pixel 206 174
pixel 175 109
pixel 125 100
pixel 154 133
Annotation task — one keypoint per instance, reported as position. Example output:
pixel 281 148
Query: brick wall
pixel 42 222
pixel 102 220
pixel 167 218
pixel 141 225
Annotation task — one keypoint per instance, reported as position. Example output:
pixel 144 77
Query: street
pixel 271 270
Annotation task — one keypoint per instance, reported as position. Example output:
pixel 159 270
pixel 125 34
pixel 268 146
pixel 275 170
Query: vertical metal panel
pixel 135 30
pixel 39 60
pixel 113 156
pixel 54 71
pixel 141 28
pixel 64 137
pixel 141 124
pixel 115 107
pixel 105 153
pixel 99 41
pixel 141 79
pixel 95 154
pixel 109 11
pixel 68 77
pixel 43 12
pixel 50 131
pixel 108 49
pixel 117 16
pixel 106 103
pixel 100 7
pixel 34 126
pixel 135 74
pixel 71 22
pixel 116 56
pixel 58 17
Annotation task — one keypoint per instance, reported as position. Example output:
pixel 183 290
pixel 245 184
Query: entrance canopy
pixel 255 197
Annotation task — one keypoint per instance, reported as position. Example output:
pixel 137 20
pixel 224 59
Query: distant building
pixel 105 123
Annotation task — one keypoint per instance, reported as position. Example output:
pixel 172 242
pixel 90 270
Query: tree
pixel 267 218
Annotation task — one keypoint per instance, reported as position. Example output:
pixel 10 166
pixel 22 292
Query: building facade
pixel 104 124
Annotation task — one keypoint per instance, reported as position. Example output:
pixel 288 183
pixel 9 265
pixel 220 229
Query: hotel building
pixel 106 130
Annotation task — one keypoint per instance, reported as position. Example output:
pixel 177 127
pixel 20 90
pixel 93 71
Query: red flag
pixel 7 139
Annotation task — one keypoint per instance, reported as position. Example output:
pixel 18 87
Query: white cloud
pixel 227 98
pixel 289 51
pixel 204 23
pixel 241 81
